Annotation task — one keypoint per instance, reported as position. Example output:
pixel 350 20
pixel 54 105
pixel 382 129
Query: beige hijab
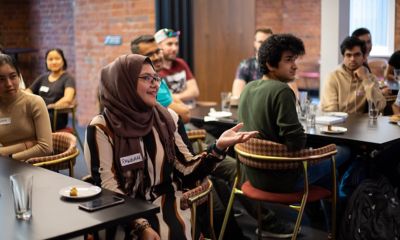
pixel 128 116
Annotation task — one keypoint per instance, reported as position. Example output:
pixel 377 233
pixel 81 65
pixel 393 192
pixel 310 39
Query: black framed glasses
pixel 151 78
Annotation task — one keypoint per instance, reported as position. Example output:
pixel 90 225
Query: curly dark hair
pixel 272 49
pixel 351 42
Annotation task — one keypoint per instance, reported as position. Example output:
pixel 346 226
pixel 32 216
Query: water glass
pixel 21 185
pixel 373 110
pixel 225 101
pixel 303 101
pixel 311 114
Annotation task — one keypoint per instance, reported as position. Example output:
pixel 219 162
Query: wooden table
pixel 52 215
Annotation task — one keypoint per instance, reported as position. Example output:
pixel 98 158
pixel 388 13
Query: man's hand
pixel 361 73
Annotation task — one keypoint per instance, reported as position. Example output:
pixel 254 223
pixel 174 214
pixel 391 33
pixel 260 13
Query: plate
pixel 219 114
pixel 83 191
pixel 333 130
pixel 338 114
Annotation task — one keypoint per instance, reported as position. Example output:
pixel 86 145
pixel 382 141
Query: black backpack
pixel 373 212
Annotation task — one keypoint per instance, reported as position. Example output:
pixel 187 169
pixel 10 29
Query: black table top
pixel 360 130
pixel 54 216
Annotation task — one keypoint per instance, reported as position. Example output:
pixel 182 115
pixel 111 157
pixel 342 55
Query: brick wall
pixel 299 17
pixel 94 19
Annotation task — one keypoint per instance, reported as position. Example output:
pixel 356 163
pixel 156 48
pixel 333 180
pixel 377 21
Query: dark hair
pixel 271 50
pixel 264 30
pixel 1 49
pixel 59 52
pixel 141 39
pixel 351 42
pixel 6 59
pixel 359 32
pixel 394 59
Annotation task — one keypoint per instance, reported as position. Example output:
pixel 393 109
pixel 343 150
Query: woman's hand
pixel 232 136
pixel 149 234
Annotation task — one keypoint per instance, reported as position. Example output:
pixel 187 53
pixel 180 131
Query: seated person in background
pixel 24 121
pixel 248 69
pixel 176 72
pixel 57 87
pixel 147 46
pixel 21 82
pixel 348 88
pixel 268 106
pixel 394 63
pixel 140 150
pixel 365 35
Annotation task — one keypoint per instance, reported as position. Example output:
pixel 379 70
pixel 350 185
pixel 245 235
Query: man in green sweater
pixel 268 105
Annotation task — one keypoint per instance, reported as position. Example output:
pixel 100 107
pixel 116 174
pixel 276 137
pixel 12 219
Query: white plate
pixel 338 114
pixel 83 191
pixel 334 130
pixel 219 114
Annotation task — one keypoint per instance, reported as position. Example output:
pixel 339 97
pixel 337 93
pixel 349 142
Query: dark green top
pixel 269 106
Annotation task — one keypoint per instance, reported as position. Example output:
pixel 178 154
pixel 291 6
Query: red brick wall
pixel 93 21
pixel 299 17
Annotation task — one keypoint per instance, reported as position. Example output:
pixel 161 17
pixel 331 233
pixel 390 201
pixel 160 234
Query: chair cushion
pixel 196 134
pixel 314 193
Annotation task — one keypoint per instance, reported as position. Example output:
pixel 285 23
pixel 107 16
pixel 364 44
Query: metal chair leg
pixel 228 209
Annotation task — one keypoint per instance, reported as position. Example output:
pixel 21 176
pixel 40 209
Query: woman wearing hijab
pixel 140 152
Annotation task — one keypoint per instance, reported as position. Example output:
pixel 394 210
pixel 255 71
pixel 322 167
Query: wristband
pixel 217 150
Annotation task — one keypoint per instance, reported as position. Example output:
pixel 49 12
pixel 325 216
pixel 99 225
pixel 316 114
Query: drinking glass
pixel 303 101
pixel 225 101
pixel 21 185
pixel 311 114
pixel 373 110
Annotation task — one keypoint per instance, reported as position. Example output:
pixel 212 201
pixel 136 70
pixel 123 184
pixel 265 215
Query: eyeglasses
pixel 155 52
pixel 171 33
pixel 151 79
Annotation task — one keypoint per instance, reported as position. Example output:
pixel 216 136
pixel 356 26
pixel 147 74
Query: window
pixel 378 16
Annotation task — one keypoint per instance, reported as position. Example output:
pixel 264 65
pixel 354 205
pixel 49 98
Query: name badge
pixel 131 159
pixel 44 89
pixel 5 121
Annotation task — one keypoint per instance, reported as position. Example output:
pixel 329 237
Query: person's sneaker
pixel 237 212
pixel 278 230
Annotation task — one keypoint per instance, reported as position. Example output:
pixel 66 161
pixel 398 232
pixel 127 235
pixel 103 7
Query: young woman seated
pixel 24 121
pixel 140 152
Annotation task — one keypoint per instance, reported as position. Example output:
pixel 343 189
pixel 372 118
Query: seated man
pixel 348 88
pixel 268 106
pixel 147 46
pixel 175 70
pixel 394 63
pixel 248 69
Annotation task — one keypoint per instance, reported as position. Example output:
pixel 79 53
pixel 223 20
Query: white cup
pixel 21 185
pixel 225 101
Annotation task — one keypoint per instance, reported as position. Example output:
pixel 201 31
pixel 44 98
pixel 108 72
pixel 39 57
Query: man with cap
pixel 175 71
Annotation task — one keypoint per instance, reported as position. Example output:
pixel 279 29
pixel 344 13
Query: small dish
pixel 219 114
pixel 333 130
pixel 83 191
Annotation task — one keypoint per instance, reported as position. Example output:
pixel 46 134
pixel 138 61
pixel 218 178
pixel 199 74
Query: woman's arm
pixel 43 145
pixel 67 99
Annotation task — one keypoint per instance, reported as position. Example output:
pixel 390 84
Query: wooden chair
pixel 64 154
pixel 67 109
pixel 264 154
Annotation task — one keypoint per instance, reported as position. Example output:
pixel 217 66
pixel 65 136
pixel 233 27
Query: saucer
pixel 333 130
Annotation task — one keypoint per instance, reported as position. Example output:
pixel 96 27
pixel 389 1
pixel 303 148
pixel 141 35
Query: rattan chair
pixel 64 154
pixel 264 154
pixel 196 196
pixel 67 109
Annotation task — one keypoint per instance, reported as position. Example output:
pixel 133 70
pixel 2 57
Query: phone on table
pixel 100 203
